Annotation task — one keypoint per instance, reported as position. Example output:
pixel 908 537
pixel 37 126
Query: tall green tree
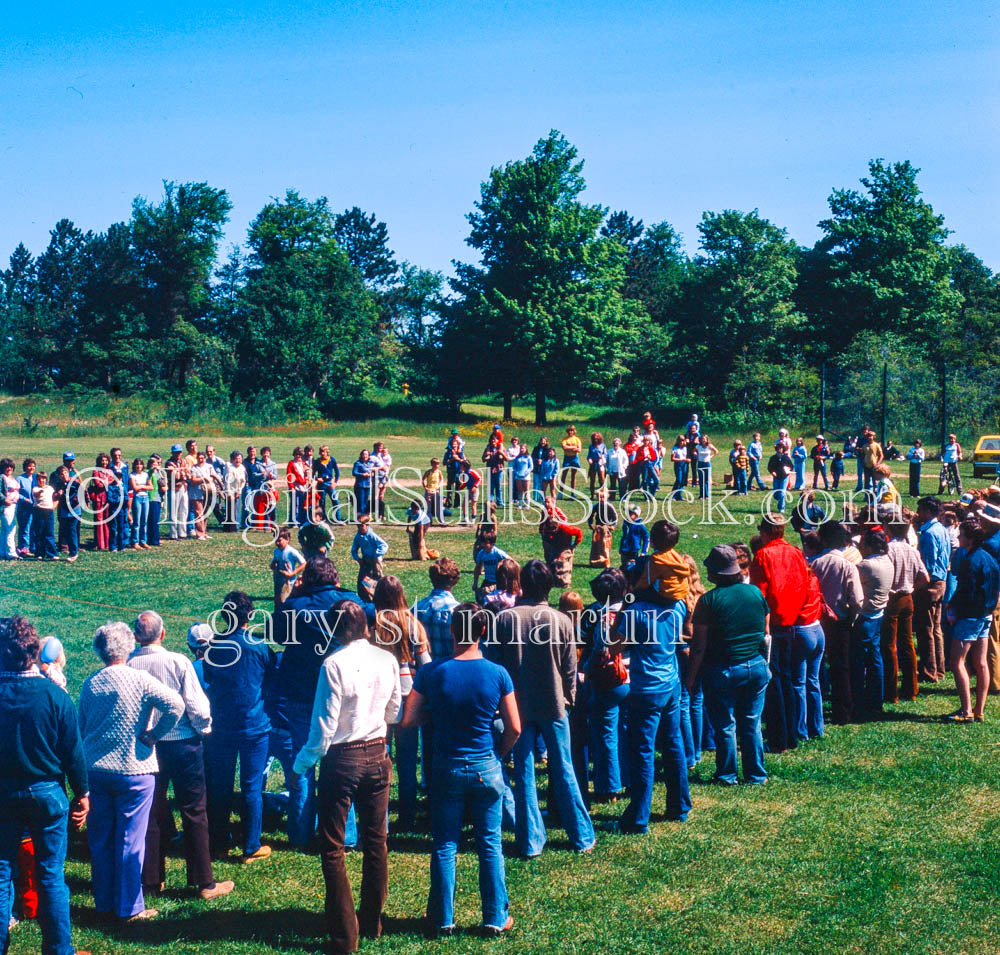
pixel 546 294
pixel 741 318
pixel 305 324
pixel 365 239
pixel 888 268
pixel 175 244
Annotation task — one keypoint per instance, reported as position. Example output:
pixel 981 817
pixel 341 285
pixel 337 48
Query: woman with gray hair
pixel 119 731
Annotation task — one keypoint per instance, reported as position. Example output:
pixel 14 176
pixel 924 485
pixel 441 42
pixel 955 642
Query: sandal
pixel 957 717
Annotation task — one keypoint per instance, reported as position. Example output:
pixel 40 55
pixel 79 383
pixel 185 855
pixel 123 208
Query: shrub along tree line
pixel 561 300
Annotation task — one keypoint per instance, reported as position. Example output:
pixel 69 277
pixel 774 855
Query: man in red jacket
pixel 793 709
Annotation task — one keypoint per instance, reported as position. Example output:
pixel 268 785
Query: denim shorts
pixel 571 462
pixel 970 629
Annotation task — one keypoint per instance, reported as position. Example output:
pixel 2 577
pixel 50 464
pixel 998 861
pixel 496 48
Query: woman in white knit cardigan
pixel 119 729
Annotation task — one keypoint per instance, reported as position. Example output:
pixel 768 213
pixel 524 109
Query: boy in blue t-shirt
pixel 287 563
pixel 634 543
pixel 487 558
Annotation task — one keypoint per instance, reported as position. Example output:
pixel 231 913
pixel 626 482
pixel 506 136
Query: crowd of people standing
pixel 464 699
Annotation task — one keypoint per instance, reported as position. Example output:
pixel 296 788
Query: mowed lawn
pixel 879 838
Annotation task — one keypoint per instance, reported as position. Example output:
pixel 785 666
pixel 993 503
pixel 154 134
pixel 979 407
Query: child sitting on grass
pixel 286 563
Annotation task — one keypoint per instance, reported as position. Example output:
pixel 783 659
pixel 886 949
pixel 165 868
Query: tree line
pixel 560 300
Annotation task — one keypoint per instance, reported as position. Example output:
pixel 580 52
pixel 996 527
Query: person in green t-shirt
pixel 728 651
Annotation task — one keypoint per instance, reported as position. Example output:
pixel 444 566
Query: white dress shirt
pixel 357 696
pixel 176 671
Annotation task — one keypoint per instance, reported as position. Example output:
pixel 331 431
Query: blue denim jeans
pixel 779 704
pixel 692 715
pixel 23 514
pixel 140 518
pixel 867 667
pixel 755 475
pixel 704 479
pixel 645 711
pixel 808 644
pixel 740 480
pixel 478 784
pixel 43 532
pixel 606 738
pixel 153 523
pixel 220 769
pixel 69 533
pixel 118 529
pixel 734 698
pixel 800 473
pixel 302 800
pixel 680 477
pixel 407 744
pixel 780 490
pixel 41 809
pixel 529 829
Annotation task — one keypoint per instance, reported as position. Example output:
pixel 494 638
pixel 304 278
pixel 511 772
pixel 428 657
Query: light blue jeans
pixel 140 518
pixel 606 738
pixel 808 644
pixel 478 784
pixel 529 829
pixel 734 698
pixel 780 489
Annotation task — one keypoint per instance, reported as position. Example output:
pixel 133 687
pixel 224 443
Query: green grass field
pixel 879 838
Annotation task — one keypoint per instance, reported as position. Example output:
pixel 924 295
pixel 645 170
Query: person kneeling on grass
pixel 970 612
pixel 461 697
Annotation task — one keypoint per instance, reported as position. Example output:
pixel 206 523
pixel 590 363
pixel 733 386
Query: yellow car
pixel 986 456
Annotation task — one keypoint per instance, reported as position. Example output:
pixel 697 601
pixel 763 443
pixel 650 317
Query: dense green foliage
pixel 566 301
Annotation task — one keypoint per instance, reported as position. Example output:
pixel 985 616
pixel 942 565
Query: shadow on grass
pixel 282 929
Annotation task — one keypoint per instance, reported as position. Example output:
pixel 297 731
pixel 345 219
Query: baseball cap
pixel 69 456
pixel 200 635
pixel 51 650
pixel 174 448
pixel 454 430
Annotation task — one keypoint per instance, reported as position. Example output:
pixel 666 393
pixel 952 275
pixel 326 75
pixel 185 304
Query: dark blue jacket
pixel 238 669
pixel 299 629
pixel 977 581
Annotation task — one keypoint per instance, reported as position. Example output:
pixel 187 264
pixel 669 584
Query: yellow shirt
pixel 433 480
pixel 572 444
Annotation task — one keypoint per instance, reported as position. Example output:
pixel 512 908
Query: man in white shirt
pixel 181 759
pixel 357 696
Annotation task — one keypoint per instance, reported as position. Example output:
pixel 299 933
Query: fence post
pixel 822 397
pixel 944 402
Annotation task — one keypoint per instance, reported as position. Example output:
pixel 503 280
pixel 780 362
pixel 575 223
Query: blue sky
pixel 402 108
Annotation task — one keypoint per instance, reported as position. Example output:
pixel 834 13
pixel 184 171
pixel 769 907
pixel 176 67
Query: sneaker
pixel 492 931
pixel 262 853
pixel 217 891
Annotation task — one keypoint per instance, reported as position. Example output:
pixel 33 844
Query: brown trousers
pixel 838 656
pixel 360 774
pixel 930 637
pixel 899 656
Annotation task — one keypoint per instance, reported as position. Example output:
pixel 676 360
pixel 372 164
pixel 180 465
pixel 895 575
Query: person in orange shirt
pixel 667 572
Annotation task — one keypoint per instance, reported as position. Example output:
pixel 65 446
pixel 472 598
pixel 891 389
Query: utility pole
pixel 885 392
pixel 822 397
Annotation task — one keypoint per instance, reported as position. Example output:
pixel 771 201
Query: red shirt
pixel 782 574
pixel 296 474
pixel 812 608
